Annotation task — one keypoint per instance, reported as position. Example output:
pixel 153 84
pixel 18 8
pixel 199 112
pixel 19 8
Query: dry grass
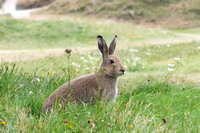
pixel 33 3
pixel 184 13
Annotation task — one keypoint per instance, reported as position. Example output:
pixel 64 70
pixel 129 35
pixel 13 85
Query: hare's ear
pixel 112 46
pixel 102 47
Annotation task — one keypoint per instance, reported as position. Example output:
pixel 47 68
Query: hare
pixel 101 84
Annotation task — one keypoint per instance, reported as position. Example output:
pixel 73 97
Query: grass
pixel 136 62
pixel 189 30
pixel 148 92
pixel 74 32
pixel 143 106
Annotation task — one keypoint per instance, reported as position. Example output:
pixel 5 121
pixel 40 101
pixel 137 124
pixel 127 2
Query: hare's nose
pixel 123 70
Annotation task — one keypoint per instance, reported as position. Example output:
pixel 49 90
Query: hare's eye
pixel 112 61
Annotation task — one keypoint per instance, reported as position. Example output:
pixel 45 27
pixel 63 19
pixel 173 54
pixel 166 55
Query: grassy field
pixel 71 32
pixel 161 82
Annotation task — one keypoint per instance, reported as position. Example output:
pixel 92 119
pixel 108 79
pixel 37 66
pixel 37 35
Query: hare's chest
pixel 109 93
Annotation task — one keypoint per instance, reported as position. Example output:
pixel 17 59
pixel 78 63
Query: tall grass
pixel 139 107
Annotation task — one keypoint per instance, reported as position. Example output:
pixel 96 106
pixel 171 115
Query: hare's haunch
pixel 86 88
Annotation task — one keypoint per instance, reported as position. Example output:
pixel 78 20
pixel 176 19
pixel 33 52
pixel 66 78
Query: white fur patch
pixel 116 90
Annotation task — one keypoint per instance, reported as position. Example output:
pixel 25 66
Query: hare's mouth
pixel 121 73
pixel 116 74
pixel 112 74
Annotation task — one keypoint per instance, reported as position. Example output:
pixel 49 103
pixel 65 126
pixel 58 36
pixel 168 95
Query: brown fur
pixel 102 84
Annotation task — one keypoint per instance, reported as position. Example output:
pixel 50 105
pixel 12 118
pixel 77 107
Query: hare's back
pixel 80 89
pixel 84 87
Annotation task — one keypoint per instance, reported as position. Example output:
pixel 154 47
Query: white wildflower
pixel 147 53
pixel 171 65
pixel 37 79
pixel 82 58
pixel 128 60
pixel 21 85
pixel 168 46
pixel 175 58
pixel 185 114
pixel 198 47
pixel 137 58
pixel 73 63
pixel 162 128
pixel 93 125
pixel 134 64
pixel 133 50
pixel 89 113
pixel 30 92
pixel 91 58
pixel 170 69
pixel 85 61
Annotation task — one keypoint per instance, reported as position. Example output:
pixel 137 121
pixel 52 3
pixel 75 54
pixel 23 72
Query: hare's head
pixel 111 64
